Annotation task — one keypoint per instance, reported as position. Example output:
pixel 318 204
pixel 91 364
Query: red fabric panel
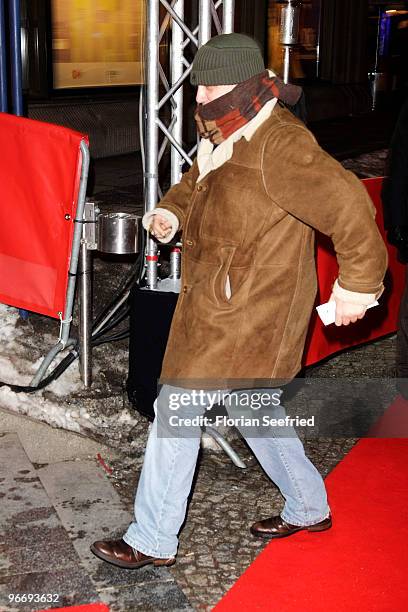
pixel 40 169
pixel 380 321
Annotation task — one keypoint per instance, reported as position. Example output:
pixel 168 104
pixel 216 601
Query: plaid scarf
pixel 220 118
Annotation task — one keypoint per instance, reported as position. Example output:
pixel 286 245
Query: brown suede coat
pixel 253 219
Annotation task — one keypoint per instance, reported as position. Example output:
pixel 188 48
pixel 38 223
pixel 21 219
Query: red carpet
pixel 360 564
pixel 394 422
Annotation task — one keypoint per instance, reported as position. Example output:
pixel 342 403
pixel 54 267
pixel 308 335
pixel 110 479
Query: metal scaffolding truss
pixel 165 17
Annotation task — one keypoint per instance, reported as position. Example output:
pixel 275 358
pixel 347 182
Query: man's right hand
pixel 160 228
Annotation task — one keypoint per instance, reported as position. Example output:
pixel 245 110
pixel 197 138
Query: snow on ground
pixel 16 367
pixel 100 411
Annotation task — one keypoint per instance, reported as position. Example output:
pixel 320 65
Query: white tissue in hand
pixel 327 311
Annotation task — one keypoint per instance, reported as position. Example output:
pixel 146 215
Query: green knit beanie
pixel 227 59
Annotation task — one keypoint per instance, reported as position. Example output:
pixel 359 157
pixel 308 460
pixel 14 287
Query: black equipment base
pixel 151 313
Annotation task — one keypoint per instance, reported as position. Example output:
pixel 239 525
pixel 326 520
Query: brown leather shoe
pixel 276 527
pixel 121 554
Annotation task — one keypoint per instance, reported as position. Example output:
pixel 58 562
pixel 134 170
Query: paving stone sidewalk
pixel 49 514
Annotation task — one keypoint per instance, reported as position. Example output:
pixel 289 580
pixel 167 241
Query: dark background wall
pixel 343 41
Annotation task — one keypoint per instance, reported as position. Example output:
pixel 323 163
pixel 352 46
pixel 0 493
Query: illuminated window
pixel 97 42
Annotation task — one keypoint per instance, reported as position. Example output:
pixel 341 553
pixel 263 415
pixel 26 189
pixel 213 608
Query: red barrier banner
pixel 379 321
pixel 40 170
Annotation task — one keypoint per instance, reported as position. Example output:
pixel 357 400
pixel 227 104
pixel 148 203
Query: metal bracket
pixel 91 212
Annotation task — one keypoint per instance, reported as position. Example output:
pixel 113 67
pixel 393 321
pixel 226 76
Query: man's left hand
pixel 346 312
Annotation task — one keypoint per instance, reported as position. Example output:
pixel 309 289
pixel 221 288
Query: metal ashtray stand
pixel 114 233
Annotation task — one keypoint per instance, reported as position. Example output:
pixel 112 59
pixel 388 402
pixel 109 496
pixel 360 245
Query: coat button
pixel 189 243
pixel 199 187
pixel 185 289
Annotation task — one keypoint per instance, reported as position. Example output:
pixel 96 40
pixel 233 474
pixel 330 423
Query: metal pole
pixel 15 52
pixel 111 312
pixel 180 22
pixel 174 142
pixel 226 447
pixel 374 75
pixel 85 314
pixel 205 22
pixel 177 69
pixel 76 243
pixel 228 16
pixel 319 35
pixel 16 72
pixel 152 131
pixel 3 62
pixel 286 63
pixel 289 31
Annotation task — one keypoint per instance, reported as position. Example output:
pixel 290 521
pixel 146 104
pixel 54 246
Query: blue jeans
pixel 169 466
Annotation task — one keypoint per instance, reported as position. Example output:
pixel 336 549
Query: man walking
pixel 247 208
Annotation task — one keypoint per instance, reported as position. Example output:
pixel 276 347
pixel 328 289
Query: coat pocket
pixel 222 286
